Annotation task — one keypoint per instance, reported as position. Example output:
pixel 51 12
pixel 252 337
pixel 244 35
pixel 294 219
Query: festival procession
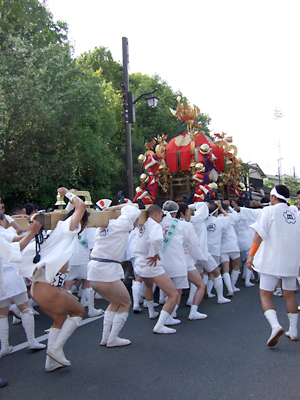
pixel 192 226
pixel 144 253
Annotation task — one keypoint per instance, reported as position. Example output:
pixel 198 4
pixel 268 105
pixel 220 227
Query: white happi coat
pixel 249 216
pixel 192 248
pixel 56 251
pixel 149 242
pixel 111 243
pixel 229 241
pixel 279 252
pixel 129 253
pixel 9 252
pixel 174 261
pixel 215 227
pixel 84 245
pixel 198 222
pixel 243 235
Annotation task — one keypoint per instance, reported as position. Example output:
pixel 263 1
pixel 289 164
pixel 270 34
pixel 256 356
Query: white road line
pixel 42 338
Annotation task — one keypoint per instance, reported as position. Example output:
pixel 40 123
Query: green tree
pixel 101 59
pixel 293 184
pixel 100 62
pixel 31 22
pixel 57 121
pixel 269 184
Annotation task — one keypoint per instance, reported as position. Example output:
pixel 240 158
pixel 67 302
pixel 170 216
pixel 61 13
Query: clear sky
pixel 236 60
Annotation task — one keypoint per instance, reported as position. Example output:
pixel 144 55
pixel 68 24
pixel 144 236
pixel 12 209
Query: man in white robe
pixel 275 254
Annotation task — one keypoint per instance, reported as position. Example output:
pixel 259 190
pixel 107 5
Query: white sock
pixel 234 277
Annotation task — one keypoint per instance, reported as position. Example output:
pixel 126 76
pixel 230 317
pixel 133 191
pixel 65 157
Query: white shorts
pixel 180 282
pixel 145 271
pixel 191 267
pixel 77 272
pixel 208 265
pixel 18 300
pixel 233 255
pixel 104 272
pixel 269 282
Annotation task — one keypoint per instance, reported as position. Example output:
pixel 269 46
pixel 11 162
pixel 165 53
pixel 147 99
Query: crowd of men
pixel 203 247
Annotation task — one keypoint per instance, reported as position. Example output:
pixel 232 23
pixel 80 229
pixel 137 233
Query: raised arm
pixel 33 229
pixel 13 223
pixel 79 206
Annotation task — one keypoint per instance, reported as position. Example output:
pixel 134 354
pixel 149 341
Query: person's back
pixel 279 227
pixel 174 257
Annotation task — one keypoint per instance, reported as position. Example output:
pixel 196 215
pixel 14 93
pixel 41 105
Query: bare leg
pixel 266 300
pixel 149 298
pixel 116 293
pixel 56 303
pixel 164 283
pixel 235 273
pixel 290 301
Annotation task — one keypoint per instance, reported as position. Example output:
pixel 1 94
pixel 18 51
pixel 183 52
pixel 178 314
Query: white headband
pixel 279 196
pixel 213 212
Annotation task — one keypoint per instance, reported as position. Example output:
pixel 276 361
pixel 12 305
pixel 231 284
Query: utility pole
pixel 129 114
pixel 129 117
pixel 277 116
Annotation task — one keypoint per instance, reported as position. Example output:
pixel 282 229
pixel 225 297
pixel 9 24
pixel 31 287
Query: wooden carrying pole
pixel 96 218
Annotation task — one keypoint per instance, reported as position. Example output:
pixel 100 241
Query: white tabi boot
pixel 84 300
pixel 227 281
pixel 92 312
pixel 107 324
pixel 174 313
pixel 195 315
pixel 16 314
pixel 5 347
pixel 193 290
pixel 136 297
pixel 248 275
pixel 56 351
pixel 161 297
pixel 145 301
pixel 209 287
pixel 32 303
pixel 234 277
pixel 292 333
pixel 28 325
pixel 118 323
pixel 13 309
pixel 219 290
pixel 160 325
pixel 277 330
pixel 172 319
pixel 50 364
pixel 152 313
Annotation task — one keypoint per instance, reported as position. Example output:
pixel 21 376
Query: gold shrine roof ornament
pixel 186 113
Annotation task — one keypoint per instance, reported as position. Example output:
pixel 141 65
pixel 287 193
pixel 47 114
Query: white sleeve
pixel 10 252
pixel 263 223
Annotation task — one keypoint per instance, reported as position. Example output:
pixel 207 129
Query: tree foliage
pixel 61 118
pixel 292 183
pixel 57 120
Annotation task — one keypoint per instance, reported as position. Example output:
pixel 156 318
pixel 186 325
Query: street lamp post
pixel 129 114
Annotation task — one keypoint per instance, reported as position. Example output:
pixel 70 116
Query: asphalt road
pixel 223 357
